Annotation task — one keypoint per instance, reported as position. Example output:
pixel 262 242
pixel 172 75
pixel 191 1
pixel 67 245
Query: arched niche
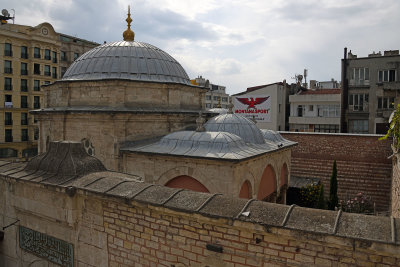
pixel 245 190
pixel 267 186
pixel 187 182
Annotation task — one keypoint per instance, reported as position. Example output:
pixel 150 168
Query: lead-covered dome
pixel 236 124
pixel 128 61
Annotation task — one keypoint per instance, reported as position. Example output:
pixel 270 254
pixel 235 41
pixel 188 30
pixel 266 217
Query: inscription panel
pixel 45 246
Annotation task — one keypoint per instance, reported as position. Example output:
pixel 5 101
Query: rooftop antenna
pixel 6 16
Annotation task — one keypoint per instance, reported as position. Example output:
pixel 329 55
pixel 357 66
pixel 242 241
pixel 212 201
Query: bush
pixel 310 196
pixel 359 204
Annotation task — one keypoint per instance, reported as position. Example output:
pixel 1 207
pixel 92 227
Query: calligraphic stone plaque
pixel 45 246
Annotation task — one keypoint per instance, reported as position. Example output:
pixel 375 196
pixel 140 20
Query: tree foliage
pixel 394 129
pixel 333 197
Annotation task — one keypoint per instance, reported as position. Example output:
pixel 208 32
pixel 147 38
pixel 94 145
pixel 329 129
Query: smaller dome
pixel 219 110
pixel 238 125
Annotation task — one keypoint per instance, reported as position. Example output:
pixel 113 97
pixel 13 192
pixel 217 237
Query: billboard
pixel 253 106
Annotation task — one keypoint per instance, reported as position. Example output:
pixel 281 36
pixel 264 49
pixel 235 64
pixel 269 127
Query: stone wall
pixel 218 176
pixel 362 163
pixel 115 222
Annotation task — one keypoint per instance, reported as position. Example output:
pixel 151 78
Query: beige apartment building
pixel 315 111
pixel 29 58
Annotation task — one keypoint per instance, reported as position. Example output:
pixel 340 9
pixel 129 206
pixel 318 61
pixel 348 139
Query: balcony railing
pixel 24 138
pixel 36 72
pixel 36 105
pixel 24 105
pixel 54 75
pixel 36 55
pixel 47 57
pixel 8 122
pixel 9 138
pixel 8 87
pixel 7 70
pixel 24 88
pixel 54 60
pixel 24 122
pixel 8 53
pixel 24 55
pixel 24 72
pixel 47 73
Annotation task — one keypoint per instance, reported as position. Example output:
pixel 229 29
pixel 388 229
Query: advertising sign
pixel 253 106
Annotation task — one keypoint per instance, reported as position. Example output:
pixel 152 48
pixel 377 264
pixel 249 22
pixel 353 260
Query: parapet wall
pixel 362 163
pixel 111 219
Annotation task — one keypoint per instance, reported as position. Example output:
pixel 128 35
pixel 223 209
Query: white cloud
pixel 237 43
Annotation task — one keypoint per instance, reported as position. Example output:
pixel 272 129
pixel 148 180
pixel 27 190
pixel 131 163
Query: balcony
pixel 8 70
pixel 8 53
pixel 359 83
pixel 24 55
pixel 8 87
pixel 8 122
pixel 8 104
pixel 24 72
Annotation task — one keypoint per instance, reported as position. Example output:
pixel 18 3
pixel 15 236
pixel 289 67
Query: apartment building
pixel 371 86
pixel 216 96
pixel 315 110
pixel 275 116
pixel 29 58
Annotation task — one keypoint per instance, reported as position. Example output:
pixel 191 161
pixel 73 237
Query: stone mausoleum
pixel 133 107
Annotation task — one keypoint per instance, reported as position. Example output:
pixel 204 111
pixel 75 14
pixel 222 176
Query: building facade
pixel 30 57
pixel 373 86
pixel 216 96
pixel 315 111
pixel 278 93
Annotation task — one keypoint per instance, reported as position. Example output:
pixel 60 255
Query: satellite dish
pixel 5 13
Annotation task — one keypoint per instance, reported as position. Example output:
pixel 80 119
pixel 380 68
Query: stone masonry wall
pixel 160 226
pixel 362 163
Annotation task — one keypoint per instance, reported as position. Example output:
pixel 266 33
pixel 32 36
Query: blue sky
pixel 236 43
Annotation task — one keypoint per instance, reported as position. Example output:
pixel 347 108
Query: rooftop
pixel 129 188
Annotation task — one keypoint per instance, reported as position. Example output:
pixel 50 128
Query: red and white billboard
pixel 257 106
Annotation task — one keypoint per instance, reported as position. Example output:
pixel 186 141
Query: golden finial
pixel 129 35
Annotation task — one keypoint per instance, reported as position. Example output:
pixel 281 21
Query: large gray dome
pixel 238 125
pixel 129 61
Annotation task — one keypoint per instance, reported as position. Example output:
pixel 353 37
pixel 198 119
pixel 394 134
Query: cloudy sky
pixel 236 43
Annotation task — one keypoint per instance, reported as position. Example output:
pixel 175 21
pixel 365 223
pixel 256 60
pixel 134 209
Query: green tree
pixel 394 129
pixel 321 200
pixel 333 198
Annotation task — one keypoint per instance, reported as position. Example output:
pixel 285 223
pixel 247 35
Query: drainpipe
pixel 344 96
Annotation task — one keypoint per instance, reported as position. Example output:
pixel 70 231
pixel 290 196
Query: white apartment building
pixel 315 111
pixel 277 93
